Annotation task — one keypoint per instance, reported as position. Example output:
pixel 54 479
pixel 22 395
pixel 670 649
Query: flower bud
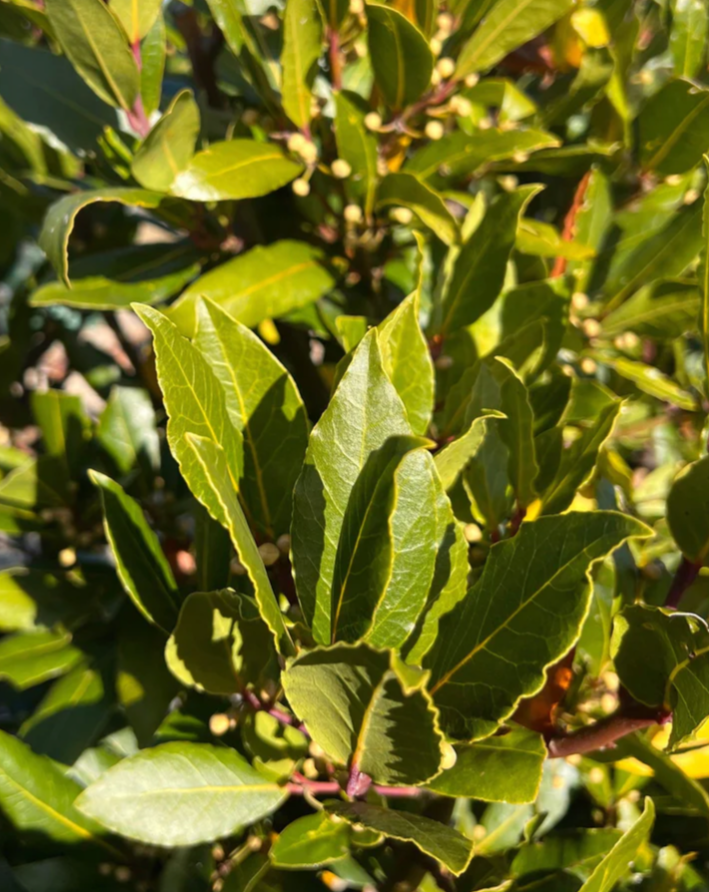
pixel 353 213
pixel 270 553
pixel 372 121
pixel 445 67
pixel 341 169
pixel 461 106
pixel 301 187
pixel 434 130
pixel 402 215
pixel 296 141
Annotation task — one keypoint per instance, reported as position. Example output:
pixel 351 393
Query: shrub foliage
pixel 354 492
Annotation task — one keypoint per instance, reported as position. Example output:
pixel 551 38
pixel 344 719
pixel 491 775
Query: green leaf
pixel 385 557
pixel 543 240
pixel 687 516
pixel 704 278
pixel 127 431
pixel 70 716
pixel 220 644
pixel 46 91
pixel 37 796
pixel 479 270
pixel 312 841
pixel 517 431
pixel 500 769
pixel 302 45
pixel 189 793
pixel 453 458
pixel 265 406
pixel 400 54
pixel 28 658
pixel 576 853
pixel 406 190
pixel 652 381
pixel 666 772
pixel 509 24
pixel 363 413
pixel 367 711
pixel 674 128
pixel 214 488
pixel 235 169
pixel 437 840
pixel 688 696
pixel 92 38
pixel 579 460
pixel 136 16
pixel 140 562
pixel 59 222
pixel 457 154
pixel 153 52
pixel 168 148
pixel 407 362
pixel 531 599
pixel 690 20
pixel 263 283
pixel 64 423
pixel 38 483
pixel 357 146
pixel 276 748
pixel 665 309
pixel 618 860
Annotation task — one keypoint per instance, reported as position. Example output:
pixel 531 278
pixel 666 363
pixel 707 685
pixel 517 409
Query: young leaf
pixel 136 16
pixel 141 565
pixel 500 769
pixel 437 840
pixel 169 146
pixel 386 553
pixel 617 861
pixel 312 841
pixel 265 406
pixel 407 361
pixel 406 190
pixel 92 38
pixel 357 146
pixel 188 792
pixel 220 644
pixel 400 54
pixel 452 459
pixel 363 413
pixel 509 24
pixel 480 266
pixel 263 283
pixel 213 486
pixel 30 658
pixel 38 797
pixel 235 169
pixel 367 711
pixel 302 45
pixel 59 222
pixel 532 582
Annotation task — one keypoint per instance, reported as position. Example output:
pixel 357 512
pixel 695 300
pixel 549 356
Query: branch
pixel 301 786
pixel 569 230
pixel 604 733
pixel 686 573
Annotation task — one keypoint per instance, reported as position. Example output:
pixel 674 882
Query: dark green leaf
pixel 688 36
pixel 406 190
pixel 127 430
pixel 674 128
pixel 400 54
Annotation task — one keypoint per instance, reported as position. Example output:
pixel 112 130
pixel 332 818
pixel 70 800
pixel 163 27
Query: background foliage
pixel 367 549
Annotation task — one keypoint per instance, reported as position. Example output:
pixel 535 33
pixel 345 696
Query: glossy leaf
pixel 214 488
pixel 437 840
pixel 452 459
pixel 406 190
pixel 37 796
pixel 507 768
pixel 264 283
pixel 509 24
pixel 536 579
pixel 366 711
pixel 357 146
pixel 140 562
pixel 92 38
pixel 363 413
pixel 59 222
pixel 136 16
pixel 312 841
pixel 170 145
pixel 220 644
pixel 28 658
pixel 401 56
pixel 480 266
pixel 674 128
pixel 189 793
pixel 265 406
pixel 302 45
pixel 235 169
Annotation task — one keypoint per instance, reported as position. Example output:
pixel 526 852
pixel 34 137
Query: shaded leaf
pixel 366 711
pixel 28 658
pixel 674 128
pixel 140 562
pixel 357 146
pixel 536 580
pixel 688 36
pixel 189 793
pixel 687 511
pixel 127 430
pixel 400 54
pixel 311 842
pixel 616 863
pixel 406 190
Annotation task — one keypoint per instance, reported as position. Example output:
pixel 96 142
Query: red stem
pixel 686 573
pixel 335 59
pixel 603 734
pixel 136 116
pixel 332 788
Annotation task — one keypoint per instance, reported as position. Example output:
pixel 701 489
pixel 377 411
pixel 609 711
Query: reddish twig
pixel 569 230
pixel 604 733
pixel 136 116
pixel 335 59
pixel 301 785
pixel 686 573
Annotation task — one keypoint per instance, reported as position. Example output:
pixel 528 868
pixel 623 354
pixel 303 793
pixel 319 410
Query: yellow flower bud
pixel 372 121
pixel 445 67
pixel 402 215
pixel 301 187
pixel 353 213
pixel 270 553
pixel 434 130
pixel 341 169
